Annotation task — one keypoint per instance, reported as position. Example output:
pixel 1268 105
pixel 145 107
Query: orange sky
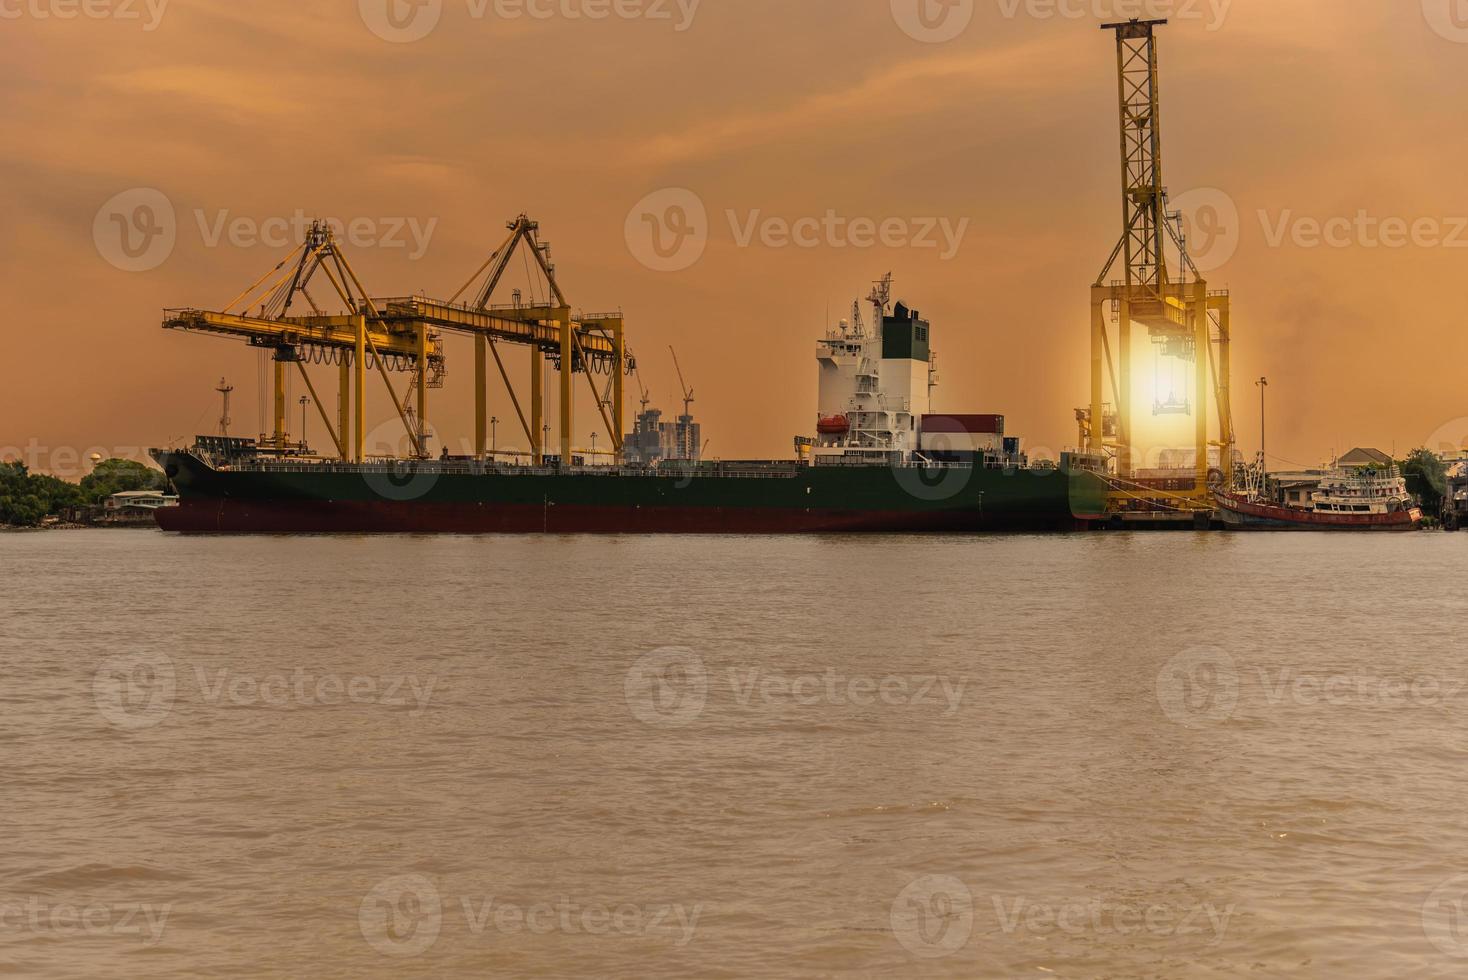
pixel 1313 109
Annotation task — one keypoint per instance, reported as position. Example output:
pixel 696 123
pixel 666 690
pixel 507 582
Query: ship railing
pixel 774 470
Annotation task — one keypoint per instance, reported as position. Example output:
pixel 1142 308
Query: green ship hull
pixel 463 497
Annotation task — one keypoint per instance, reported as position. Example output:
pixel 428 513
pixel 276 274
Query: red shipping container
pixel 971 424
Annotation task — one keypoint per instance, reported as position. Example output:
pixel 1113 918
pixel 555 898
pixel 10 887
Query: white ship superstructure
pixel 1363 490
pixel 875 384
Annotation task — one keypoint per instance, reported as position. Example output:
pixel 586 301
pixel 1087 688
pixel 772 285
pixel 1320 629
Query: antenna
pixel 224 420
pixel 881 296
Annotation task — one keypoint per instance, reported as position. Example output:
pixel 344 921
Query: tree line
pixel 27 499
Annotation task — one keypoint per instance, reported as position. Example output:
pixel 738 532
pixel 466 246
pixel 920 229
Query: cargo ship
pixel 881 461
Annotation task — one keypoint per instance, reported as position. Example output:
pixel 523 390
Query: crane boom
pixel 687 391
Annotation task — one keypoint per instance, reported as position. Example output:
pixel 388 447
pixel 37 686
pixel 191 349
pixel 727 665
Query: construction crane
pixel 404 334
pixel 686 430
pixel 643 399
pixel 687 391
pixel 1159 287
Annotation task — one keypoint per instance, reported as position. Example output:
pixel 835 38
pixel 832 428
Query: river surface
pixel 1165 755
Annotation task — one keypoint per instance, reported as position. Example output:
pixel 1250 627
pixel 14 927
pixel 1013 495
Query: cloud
pixel 919 86
pixel 236 91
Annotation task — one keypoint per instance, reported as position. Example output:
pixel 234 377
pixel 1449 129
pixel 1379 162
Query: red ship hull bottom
pixel 204 516
pixel 1240 514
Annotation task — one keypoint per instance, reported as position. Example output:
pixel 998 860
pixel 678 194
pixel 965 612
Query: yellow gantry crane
pixel 404 335
pixel 1185 320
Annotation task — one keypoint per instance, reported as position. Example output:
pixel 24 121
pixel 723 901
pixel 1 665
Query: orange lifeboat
pixel 834 425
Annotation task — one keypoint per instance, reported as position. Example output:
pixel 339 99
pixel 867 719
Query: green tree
pixel 26 498
pixel 1427 479
pixel 119 475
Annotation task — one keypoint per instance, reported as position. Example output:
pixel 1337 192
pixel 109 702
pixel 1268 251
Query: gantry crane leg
pixel 278 365
pixel 1201 348
pixel 344 406
pixel 359 392
pixel 1126 458
pixel 422 369
pixel 1096 434
pixel 568 375
pixel 537 406
pixel 481 396
pixel 619 373
pixel 1224 391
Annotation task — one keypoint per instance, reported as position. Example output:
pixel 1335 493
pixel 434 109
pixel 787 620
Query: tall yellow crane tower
pixel 1150 280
